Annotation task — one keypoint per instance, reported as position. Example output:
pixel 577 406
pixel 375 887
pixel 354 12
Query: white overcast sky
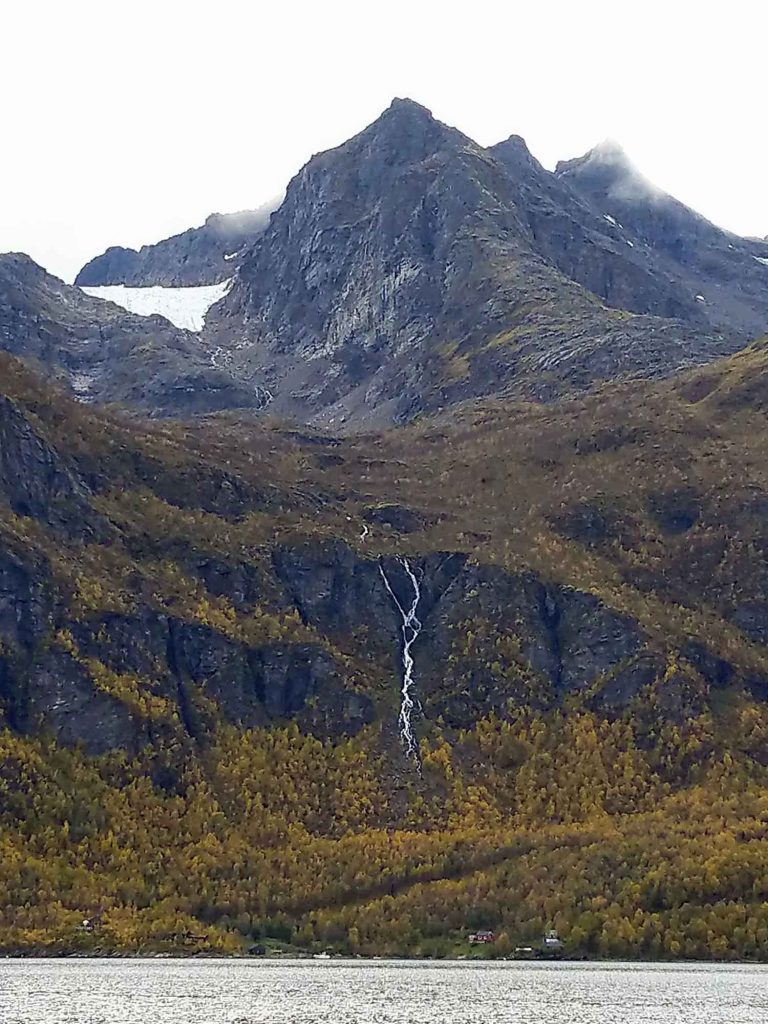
pixel 125 122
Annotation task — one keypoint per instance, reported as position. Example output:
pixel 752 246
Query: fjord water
pixel 381 992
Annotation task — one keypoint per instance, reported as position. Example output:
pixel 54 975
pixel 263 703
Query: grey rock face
pixel 589 246
pixel 117 265
pixel 26 603
pixel 472 617
pixel 204 255
pixel 62 698
pixel 407 270
pixel 341 594
pixel 564 640
pixel 719 271
pixel 256 686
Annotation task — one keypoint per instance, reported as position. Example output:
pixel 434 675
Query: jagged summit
pixel 607 166
pixel 514 153
pixel 718 271
pixel 609 151
pixel 202 255
pixel 404 105
pixel 405 132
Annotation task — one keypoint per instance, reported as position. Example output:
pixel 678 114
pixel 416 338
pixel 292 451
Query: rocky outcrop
pixel 498 638
pixel 258 686
pixel 36 481
pixel 26 600
pixel 61 697
pixel 205 255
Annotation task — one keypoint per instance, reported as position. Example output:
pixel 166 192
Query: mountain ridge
pixel 409 270
pixel 198 256
pixel 719 268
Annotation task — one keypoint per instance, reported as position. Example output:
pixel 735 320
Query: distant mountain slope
pixel 105 354
pixel 200 672
pixel 727 276
pixel 402 274
pixel 200 256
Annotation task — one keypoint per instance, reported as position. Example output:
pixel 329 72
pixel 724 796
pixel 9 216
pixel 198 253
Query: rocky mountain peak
pixel 404 106
pixel 515 155
pixel 607 167
pixel 410 269
pixel 19 263
pixel 405 114
pixel 610 151
pixel 405 132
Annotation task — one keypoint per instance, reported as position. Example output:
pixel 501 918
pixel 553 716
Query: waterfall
pixel 411 627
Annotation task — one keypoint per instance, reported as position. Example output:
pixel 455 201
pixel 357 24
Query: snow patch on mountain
pixel 184 307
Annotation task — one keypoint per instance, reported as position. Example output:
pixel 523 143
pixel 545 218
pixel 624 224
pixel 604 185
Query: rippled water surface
pixel 386 992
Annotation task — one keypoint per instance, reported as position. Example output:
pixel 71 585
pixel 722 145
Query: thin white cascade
pixel 410 628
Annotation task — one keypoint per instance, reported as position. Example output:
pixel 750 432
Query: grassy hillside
pixel 593 674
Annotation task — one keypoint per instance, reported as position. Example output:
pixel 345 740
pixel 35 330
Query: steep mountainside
pixel 200 666
pixel 104 354
pixel 402 274
pixel 591 247
pixel 406 272
pixel 204 255
pixel 725 274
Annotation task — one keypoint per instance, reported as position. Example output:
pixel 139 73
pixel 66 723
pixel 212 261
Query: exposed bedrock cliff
pixel 37 482
pixel 490 640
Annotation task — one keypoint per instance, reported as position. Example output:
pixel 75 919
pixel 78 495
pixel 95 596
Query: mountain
pixel 201 660
pixel 403 273
pixel 200 256
pixel 103 354
pixel 410 270
pixel 726 275
pixel 265 686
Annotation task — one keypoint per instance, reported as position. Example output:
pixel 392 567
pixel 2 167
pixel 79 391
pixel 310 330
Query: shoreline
pixel 293 958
